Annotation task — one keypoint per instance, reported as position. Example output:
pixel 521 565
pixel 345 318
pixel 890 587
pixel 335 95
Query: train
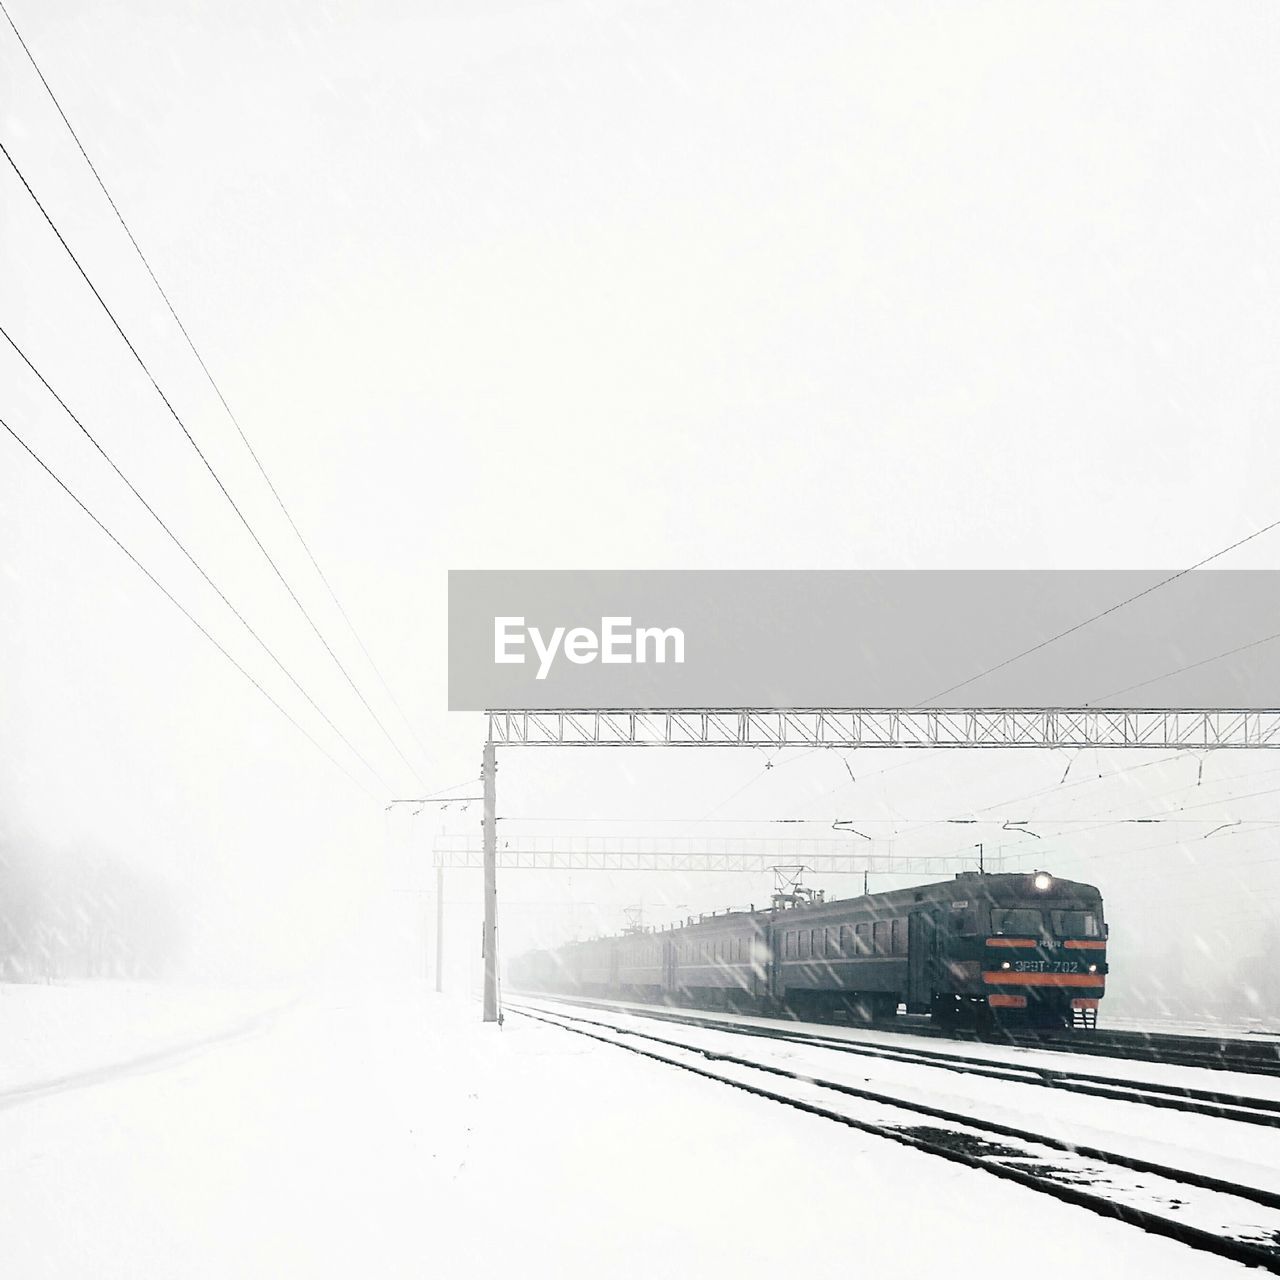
pixel 983 949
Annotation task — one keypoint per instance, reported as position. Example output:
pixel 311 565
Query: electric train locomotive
pixel 1009 948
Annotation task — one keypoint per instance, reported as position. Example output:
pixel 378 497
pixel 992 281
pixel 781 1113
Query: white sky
pixel 600 285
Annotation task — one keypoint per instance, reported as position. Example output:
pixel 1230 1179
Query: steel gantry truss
pixel 1048 727
pixel 698 853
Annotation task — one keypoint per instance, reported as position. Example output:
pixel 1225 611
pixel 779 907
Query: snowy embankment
pixel 369 1132
pixel 54 1034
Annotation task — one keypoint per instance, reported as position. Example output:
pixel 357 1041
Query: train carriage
pixel 1008 947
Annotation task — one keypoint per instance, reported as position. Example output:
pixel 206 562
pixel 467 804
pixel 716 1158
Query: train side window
pixel 804 944
pixel 880 937
pixel 899 938
pixel 816 936
pixel 846 939
pixel 862 939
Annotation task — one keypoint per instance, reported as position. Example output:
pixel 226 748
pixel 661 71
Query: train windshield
pixel 1019 920
pixel 1076 924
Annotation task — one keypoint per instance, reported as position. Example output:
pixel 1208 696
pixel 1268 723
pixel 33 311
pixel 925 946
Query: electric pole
pixel 490 935
pixel 439 927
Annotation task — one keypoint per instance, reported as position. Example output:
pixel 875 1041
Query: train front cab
pixel 1044 959
pixel 1021 951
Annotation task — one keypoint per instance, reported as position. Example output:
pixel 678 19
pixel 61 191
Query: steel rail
pixel 1209 1102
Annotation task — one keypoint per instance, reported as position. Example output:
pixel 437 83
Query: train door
pixel 760 963
pixel 922 960
pixel 669 968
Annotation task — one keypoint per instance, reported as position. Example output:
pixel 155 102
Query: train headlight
pixel 1006 965
pixel 1043 881
pixel 1093 968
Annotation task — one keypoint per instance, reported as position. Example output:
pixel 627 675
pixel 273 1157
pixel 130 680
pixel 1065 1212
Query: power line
pixel 182 608
pixel 769 765
pixel 142 257
pixel 1190 666
pixel 182 547
pixel 1146 591
pixel 208 465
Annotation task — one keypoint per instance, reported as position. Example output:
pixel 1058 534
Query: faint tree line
pixel 75 915
pixel 1186 976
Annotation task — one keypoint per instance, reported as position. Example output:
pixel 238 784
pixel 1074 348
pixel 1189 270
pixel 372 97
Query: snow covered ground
pixel 1233 1151
pixel 165 1132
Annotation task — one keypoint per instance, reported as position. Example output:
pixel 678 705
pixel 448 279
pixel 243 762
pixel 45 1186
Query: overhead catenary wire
pixel 1190 666
pixel 182 328
pixel 155 515
pixel 1120 604
pixel 208 465
pixel 184 610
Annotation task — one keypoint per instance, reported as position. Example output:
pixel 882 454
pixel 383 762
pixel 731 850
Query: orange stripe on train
pixel 1010 942
pixel 1079 944
pixel 1005 978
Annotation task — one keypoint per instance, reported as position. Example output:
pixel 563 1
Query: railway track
pixel 1257 1057
pixel 1210 1102
pixel 1260 1056
pixel 1216 1053
pixel 1251 1057
pixel 1207 1213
